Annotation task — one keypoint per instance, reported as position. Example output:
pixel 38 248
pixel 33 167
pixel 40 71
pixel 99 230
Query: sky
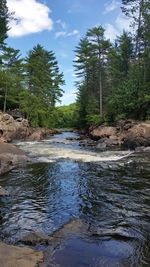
pixel 58 25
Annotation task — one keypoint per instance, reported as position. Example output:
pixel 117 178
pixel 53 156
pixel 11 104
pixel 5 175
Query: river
pixel 108 191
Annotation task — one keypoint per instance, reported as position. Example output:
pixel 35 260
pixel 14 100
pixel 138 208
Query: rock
pixel 3 192
pixel 101 146
pixel 142 149
pixel 13 129
pixel 12 256
pixel 138 135
pixel 37 135
pixel 102 132
pixel 19 129
pixel 129 134
pixel 33 239
pixel 10 156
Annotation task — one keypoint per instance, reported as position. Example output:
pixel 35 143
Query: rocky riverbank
pixel 19 129
pixel 125 134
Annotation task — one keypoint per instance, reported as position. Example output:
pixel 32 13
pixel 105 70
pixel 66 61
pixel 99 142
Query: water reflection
pixel 114 200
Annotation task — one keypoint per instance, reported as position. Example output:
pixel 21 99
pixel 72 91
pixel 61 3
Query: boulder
pixel 138 135
pixel 19 129
pixel 12 256
pixel 37 135
pixel 102 132
pixel 13 129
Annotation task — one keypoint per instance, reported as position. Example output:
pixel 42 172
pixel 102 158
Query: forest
pixel 113 79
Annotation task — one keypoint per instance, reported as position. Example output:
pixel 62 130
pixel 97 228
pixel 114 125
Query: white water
pixel 58 147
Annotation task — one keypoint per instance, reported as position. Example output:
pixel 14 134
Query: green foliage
pixel 114 79
pixel 4 17
pixel 94 120
pixel 65 116
pixel 43 87
pixel 11 77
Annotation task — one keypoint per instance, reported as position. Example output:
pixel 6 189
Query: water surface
pixel 109 191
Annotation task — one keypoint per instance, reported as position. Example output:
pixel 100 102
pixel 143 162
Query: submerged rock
pixel 3 192
pixel 12 256
pixel 33 239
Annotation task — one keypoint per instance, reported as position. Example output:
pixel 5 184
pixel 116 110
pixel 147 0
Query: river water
pixel 109 191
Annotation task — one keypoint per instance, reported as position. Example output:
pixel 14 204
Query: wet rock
pixel 3 192
pixel 10 157
pixel 73 138
pixel 101 146
pixel 12 256
pixel 142 149
pixel 33 239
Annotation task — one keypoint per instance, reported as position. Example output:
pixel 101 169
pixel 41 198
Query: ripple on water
pixel 112 198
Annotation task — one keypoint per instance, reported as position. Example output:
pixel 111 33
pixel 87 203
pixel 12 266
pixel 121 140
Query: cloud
pixel 67 34
pixel 113 30
pixel 62 24
pixel 111 6
pixel 123 23
pixel 31 17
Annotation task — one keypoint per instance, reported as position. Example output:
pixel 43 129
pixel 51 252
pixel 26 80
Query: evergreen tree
pixel 11 78
pixel 43 75
pixel 43 86
pixel 4 19
pixel 100 48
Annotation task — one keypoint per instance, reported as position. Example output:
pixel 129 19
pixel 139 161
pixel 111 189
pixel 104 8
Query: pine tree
pixel 4 19
pixel 12 78
pixel 43 75
pixel 100 47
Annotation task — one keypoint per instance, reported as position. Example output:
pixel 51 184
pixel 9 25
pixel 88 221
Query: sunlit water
pixel 108 190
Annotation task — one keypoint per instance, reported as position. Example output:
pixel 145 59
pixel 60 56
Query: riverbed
pixel 108 191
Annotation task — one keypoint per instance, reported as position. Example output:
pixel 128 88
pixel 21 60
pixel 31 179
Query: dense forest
pixel 113 79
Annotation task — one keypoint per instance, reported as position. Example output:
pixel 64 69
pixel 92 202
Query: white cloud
pixel 31 17
pixel 123 23
pixel 112 30
pixel 62 24
pixel 111 6
pixel 67 34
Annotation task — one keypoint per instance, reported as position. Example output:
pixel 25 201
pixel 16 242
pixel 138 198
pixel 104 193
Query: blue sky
pixel 58 25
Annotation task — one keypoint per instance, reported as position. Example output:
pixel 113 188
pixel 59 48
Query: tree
pixel 4 19
pixel 100 47
pixel 12 78
pixel 119 60
pixel 43 82
pixel 43 75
